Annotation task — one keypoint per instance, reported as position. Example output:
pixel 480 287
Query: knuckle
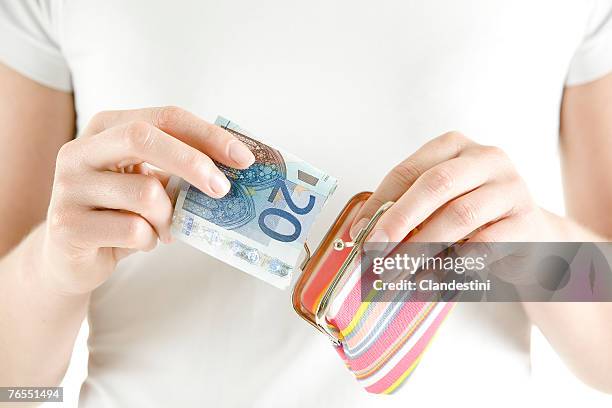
pixel 150 191
pixel 65 151
pixel 515 211
pixel 58 221
pixel 464 213
pixel 495 153
pixel 168 116
pixel 62 187
pixel 406 172
pixel 137 231
pixel 523 212
pixel 438 181
pixel 455 139
pixel 100 119
pixel 453 136
pixel 401 221
pixel 67 157
pixel 138 135
pixel 196 161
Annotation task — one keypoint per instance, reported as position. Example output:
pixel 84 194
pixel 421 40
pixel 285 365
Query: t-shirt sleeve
pixel 593 58
pixel 29 41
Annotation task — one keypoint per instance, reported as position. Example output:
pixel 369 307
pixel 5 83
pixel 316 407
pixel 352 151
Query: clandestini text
pixel 429 285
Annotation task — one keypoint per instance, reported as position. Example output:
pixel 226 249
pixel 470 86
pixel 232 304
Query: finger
pixel 161 175
pixel 137 193
pixel 218 143
pixel 463 215
pixel 93 229
pixel 395 183
pixel 513 228
pixel 489 240
pixel 432 190
pixel 136 142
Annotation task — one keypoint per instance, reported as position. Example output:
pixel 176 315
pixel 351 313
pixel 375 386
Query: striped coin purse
pixel 380 341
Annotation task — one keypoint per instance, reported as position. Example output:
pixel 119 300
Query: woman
pixel 354 88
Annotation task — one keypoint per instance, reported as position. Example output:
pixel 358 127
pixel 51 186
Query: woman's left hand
pixel 461 189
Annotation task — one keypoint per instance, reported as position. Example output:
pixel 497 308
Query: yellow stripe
pixel 399 343
pixel 362 309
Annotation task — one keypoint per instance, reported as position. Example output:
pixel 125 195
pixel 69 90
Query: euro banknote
pixel 261 225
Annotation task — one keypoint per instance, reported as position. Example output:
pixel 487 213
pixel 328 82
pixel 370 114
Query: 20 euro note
pixel 261 225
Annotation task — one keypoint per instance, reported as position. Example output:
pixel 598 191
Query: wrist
pixel 565 229
pixel 38 272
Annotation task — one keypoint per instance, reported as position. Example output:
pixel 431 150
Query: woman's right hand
pixel 107 203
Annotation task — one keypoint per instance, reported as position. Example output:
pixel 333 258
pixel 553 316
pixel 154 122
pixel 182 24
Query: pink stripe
pixel 349 306
pixel 409 358
pixel 389 336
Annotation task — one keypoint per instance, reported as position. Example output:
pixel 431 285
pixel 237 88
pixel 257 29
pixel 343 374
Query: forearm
pixel 580 332
pixel 38 325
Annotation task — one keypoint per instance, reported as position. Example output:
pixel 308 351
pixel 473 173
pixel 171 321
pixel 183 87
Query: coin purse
pixel 380 342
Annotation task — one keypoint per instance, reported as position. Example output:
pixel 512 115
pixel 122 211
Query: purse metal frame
pixel 318 320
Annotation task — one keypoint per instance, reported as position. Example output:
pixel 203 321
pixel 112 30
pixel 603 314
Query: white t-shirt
pixel 353 88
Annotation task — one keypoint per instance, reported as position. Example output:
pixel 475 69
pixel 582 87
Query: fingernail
pixel 240 154
pixel 219 184
pixel 378 236
pixel 357 227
